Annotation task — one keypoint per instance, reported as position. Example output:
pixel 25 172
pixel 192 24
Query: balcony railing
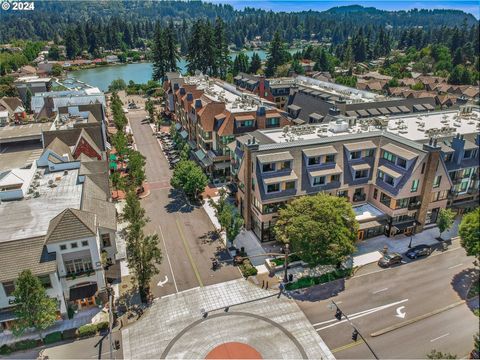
pixel 73 276
pixel 359 197
pixel 414 205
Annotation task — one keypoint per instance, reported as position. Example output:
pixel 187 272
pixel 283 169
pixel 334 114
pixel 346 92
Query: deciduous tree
pixel 189 177
pixel 445 220
pixel 469 231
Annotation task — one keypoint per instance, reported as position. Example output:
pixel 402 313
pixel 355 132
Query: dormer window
pixel 318 180
pixel 329 158
pixel 355 155
pixel 314 160
pixel 402 163
pixel 467 154
pixel 389 156
pixel 268 167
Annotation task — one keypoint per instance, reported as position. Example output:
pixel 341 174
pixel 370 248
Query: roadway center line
pixel 358 315
pixel 441 336
pixel 168 258
pixel 455 266
pixel 379 291
pixel 189 254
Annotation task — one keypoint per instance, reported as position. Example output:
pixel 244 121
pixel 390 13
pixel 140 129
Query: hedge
pixel 248 269
pixel 103 326
pixel 5 350
pixel 52 337
pixel 25 344
pixel 308 281
pixel 87 330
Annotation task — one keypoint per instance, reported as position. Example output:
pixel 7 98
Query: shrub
pixel 53 337
pixel 248 269
pixel 70 312
pixel 70 334
pixel 103 326
pixel 5 350
pixel 87 330
pixel 308 281
pixel 25 344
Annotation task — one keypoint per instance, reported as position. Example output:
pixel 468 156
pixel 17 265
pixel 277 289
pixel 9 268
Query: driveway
pixel 185 232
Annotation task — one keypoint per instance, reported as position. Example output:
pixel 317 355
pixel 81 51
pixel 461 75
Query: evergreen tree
pixel 240 64
pixel 28 100
pixel 297 68
pixel 322 63
pixel 255 63
pixel 457 57
pixel 222 53
pixel 159 54
pixel 71 44
pixel 172 54
pixel 277 55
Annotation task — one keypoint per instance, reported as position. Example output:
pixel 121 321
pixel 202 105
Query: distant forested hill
pixel 126 23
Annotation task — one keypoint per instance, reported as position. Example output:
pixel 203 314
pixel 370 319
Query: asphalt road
pixel 377 299
pixel 185 231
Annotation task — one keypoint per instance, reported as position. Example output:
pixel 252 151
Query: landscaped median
pixel 308 281
pixel 82 332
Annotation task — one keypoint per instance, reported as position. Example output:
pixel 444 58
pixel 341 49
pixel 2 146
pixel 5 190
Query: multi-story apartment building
pixel 210 114
pixel 396 176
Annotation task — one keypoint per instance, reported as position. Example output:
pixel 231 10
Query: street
pixel 428 290
pixel 185 231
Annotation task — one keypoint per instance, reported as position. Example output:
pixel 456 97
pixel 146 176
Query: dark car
pixel 418 251
pixel 389 260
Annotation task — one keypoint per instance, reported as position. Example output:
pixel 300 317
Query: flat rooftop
pixel 33 131
pixel 31 216
pixel 14 156
pixel 417 127
pixel 366 212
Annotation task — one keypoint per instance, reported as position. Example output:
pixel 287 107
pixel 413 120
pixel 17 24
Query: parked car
pixel 388 260
pixel 418 251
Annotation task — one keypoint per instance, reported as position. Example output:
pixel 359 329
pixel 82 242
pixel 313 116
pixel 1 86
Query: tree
pixel 222 53
pixel 277 55
pixel 54 53
pixel 445 220
pixel 469 231
pixel 321 228
pixel 149 107
pixel 171 49
pixel 231 222
pixel 159 54
pixel 255 63
pixel 28 101
pixel 189 177
pixel 33 307
pixel 56 70
pixel 240 64
pixel 434 354
pixel 297 68
pixel 143 254
pixel 71 44
pixel 136 169
pixel 117 85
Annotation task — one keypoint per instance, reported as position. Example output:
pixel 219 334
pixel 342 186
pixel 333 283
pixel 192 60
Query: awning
pixel 364 145
pixel 244 117
pixel 113 157
pixel 275 157
pixel 373 112
pixel 404 225
pixel 394 110
pixel 352 113
pixel 82 292
pixel 358 167
pixel 369 225
pixel 113 165
pixel 418 107
pixel 466 205
pixel 183 134
pixel 384 111
pixel 428 106
pixel 324 172
pixel 221 165
pixel 397 150
pixel 363 113
pixel 178 126
pixel 272 115
pixel 319 151
pixel 404 109
pixel 389 171
pixel 273 180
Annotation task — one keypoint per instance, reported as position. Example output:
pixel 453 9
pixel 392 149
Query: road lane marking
pixel 379 291
pixel 168 258
pixel 161 283
pixel 358 315
pixel 455 266
pixel 190 257
pixel 399 312
pixel 441 336
pixel 347 346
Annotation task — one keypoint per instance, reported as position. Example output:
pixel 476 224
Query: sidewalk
pixel 400 243
pixel 82 318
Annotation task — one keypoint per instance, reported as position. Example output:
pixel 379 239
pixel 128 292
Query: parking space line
pixel 455 266
pixel 187 250
pixel 441 336
pixel 168 258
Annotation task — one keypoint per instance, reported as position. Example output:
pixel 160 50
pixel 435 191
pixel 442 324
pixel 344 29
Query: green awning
pixel 113 165
pixel 200 154
pixel 113 157
pixel 183 134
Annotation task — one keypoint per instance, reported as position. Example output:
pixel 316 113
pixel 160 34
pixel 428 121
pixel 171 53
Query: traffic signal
pixel 354 335
pixel 338 314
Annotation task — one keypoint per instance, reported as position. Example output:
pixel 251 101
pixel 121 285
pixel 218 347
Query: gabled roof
pixel 84 135
pixel 60 148
pixel 70 136
pixel 93 167
pixel 11 103
pixel 71 224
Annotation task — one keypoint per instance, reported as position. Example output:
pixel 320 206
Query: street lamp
pixel 287 251
pixel 411 238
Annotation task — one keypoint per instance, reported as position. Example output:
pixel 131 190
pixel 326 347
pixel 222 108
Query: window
pixel 290 185
pixel 375 193
pixel 246 123
pixel 402 163
pixel 415 185
pixel 268 167
pixel 437 181
pixel 389 156
pixel 361 174
pixel 45 280
pixel 286 165
pixel 330 158
pixel 78 266
pixel 106 240
pixel 318 180
pixel 273 122
pixel 369 153
pixel 388 179
pixel 9 287
pixel 73 245
pixel 314 160
pixel 63 247
pixel 385 199
pixel 273 188
pixel 335 177
pixel 467 173
pixel 448 157
pixel 355 155
pixel 402 203
pixel 439 195
pixel 85 243
pixel 467 154
pixel 423 168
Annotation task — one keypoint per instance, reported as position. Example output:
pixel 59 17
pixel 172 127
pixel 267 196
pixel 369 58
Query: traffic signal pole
pixel 338 315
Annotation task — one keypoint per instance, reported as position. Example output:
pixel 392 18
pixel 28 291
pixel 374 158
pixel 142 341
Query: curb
pixel 418 318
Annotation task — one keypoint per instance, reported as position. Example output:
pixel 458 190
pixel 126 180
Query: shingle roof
pixel 84 134
pixel 93 167
pixel 319 151
pixel 70 136
pixel 25 254
pixel 71 224
pixel 60 148
pixel 105 211
pixel 362 145
pixel 281 156
pixel 397 150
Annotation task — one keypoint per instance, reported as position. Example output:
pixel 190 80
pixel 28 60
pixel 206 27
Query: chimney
pixel 175 86
pixel 334 111
pixel 182 91
pixel 190 97
pixel 261 111
pixel 198 104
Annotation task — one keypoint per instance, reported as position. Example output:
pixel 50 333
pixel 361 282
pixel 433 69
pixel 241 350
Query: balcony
pixel 414 205
pixel 79 274
pixel 359 197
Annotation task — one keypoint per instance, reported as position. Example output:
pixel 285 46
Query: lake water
pixel 102 77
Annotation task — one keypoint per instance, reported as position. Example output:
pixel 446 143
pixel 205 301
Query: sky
pixel 469 6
